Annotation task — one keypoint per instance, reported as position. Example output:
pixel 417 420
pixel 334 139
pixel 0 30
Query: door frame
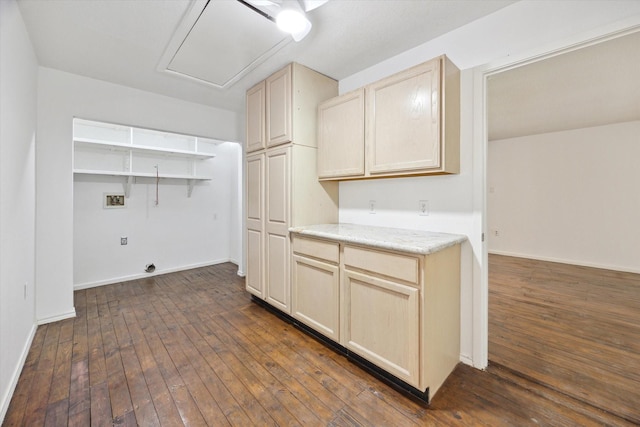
pixel 481 75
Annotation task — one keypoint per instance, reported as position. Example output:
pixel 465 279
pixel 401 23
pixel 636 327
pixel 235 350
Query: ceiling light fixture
pixel 291 19
pixel 293 22
pixel 289 15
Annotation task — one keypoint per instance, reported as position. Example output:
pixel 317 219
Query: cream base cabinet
pixel 381 310
pixel 380 323
pixel 399 311
pixel 316 285
pixel 402 312
pixel 282 186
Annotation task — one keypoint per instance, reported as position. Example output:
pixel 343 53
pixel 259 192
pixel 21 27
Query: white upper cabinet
pixel 410 121
pixel 341 136
pixel 403 121
pixel 256 117
pixel 278 89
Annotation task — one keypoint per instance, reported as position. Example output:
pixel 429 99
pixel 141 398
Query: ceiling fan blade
pixel 264 3
pixel 309 5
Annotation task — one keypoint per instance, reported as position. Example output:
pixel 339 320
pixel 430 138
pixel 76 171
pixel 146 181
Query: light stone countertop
pixel 397 239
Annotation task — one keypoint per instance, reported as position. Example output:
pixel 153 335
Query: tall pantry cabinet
pixel 282 186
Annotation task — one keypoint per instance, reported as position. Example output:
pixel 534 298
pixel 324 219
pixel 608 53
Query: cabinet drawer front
pixel 385 263
pixel 317 249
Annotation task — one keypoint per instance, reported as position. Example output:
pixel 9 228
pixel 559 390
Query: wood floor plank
pixel 233 411
pixel 252 407
pixel 191 348
pixel 267 396
pixel 575 329
pixel 100 405
pixel 57 413
pixel 119 394
pixel 23 389
pixel 285 359
pixel 163 403
pixel 35 410
pixel 299 385
pixel 187 408
pixel 205 402
pixel 62 369
pixel 79 394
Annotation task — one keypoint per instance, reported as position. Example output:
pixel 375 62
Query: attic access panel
pixel 226 41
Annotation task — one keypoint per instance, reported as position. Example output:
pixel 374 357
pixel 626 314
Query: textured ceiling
pixel 124 41
pixel 592 86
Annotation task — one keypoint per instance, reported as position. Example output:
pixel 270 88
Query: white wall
pixel 18 83
pixel 569 196
pixel 180 232
pixel 236 209
pixel 521 31
pixel 62 96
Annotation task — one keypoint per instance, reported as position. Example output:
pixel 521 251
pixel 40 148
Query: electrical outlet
pixel 423 207
pixel 372 206
pixel 123 240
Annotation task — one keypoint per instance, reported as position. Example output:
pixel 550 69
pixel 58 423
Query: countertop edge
pixel 444 240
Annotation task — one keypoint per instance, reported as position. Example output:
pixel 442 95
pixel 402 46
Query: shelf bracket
pixel 126 185
pixel 190 184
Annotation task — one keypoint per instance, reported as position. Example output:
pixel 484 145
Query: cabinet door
pixel 380 322
pixel 256 117
pixel 277 228
pixel 278 113
pixel 278 287
pixel 255 263
pixel 255 280
pixel 278 190
pixel 403 121
pixel 315 295
pixel 341 136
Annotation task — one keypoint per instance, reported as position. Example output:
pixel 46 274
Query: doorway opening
pixel 564 282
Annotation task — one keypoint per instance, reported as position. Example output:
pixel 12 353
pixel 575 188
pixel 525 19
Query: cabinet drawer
pixel 384 263
pixel 317 249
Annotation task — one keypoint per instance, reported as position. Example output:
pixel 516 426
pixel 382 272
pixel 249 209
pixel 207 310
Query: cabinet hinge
pixel 483 237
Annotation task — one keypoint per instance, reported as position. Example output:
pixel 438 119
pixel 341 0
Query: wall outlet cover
pixel 423 207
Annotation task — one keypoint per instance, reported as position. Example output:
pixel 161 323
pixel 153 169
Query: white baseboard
pixel 68 315
pixel 565 261
pixel 113 280
pixel 8 393
pixel 466 360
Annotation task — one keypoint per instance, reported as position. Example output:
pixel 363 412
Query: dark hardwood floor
pixel 575 329
pixel 190 348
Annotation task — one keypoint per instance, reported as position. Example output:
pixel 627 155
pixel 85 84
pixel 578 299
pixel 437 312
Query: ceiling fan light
pixel 293 22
